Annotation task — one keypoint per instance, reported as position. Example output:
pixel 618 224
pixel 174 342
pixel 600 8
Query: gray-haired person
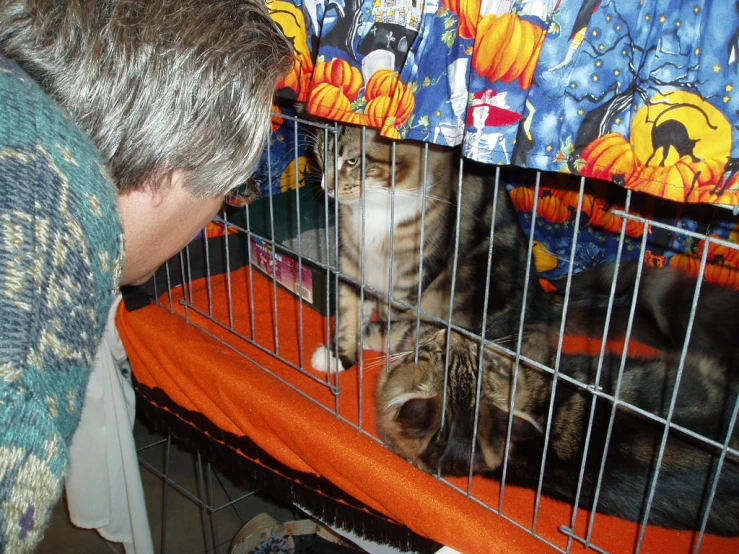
pixel 123 124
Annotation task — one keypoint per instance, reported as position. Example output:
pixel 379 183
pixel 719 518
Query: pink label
pixel 285 268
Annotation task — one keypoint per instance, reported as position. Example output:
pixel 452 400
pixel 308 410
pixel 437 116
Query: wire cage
pixel 267 289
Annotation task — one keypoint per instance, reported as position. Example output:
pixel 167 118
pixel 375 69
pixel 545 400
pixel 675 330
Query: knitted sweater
pixel 61 249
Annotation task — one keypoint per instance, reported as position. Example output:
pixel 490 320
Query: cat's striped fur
pixel 379 185
pixel 411 401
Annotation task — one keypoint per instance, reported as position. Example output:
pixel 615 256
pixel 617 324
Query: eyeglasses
pixel 244 194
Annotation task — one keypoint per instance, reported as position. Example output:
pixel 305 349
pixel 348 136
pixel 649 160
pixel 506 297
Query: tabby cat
pixel 410 404
pixel 391 197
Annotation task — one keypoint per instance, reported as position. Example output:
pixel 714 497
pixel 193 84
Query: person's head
pixel 174 93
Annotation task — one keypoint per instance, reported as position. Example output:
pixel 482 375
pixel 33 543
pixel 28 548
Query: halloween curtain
pixel 638 93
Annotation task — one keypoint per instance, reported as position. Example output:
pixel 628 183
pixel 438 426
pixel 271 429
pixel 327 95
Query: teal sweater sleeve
pixel 61 249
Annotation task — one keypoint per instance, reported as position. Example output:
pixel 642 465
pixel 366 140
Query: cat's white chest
pixel 379 222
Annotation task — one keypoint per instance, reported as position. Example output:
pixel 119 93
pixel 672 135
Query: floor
pixel 184 524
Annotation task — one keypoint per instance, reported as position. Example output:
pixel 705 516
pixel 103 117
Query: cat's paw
pixel 323 360
pixel 374 336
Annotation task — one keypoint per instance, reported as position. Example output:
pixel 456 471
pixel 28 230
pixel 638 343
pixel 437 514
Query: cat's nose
pixel 328 186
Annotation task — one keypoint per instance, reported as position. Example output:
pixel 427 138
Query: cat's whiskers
pixel 385 361
pixel 414 193
pixel 503 340
pixel 439 199
pixel 312 139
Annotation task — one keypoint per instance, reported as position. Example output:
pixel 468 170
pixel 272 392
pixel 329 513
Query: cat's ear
pixel 492 431
pixel 523 426
pixel 457 339
pixel 417 416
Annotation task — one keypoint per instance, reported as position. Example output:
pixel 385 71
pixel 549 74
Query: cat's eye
pixel 352 161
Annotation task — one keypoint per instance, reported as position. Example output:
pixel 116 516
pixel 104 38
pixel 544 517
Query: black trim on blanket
pixel 197 264
pixel 235 456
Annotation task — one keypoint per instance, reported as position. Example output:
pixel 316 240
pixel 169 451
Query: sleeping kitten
pixel 410 406
pixel 391 199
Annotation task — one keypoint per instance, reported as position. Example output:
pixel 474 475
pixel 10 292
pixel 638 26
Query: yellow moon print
pixel 291 21
pixel 289 178
pixel 678 124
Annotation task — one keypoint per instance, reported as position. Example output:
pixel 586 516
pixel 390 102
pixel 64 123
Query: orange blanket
pixel 297 418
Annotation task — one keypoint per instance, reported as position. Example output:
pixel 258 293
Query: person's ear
pixel 157 196
pixel 159 185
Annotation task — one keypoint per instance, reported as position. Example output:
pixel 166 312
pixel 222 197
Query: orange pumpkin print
pixel 276 120
pixel 676 182
pixel 382 83
pixel 722 263
pixel 647 165
pixel 612 156
pixel 723 274
pixel 507 49
pixel 689 263
pixel 553 209
pixel 572 197
pixel 299 78
pixel 219 229
pixel 634 228
pixel 375 111
pixel 720 253
pixel 605 220
pixel 612 223
pixel 711 195
pixel 716 271
pixel 712 171
pixel 340 74
pixel 391 132
pixel 390 103
pixel 522 198
pixel 608 156
pixel 406 103
pixel 468 12
pixel 329 101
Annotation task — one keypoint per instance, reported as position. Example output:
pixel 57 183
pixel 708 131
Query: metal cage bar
pixel 329 265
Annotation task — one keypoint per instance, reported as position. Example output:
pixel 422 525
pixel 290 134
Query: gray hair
pixel 158 85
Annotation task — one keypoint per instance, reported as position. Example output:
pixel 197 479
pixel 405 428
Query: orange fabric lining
pixel 573 344
pixel 292 414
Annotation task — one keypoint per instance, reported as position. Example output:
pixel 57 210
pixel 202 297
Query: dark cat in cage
pixel 663 309
pixel 411 399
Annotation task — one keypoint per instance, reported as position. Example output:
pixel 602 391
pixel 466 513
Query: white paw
pixel 324 360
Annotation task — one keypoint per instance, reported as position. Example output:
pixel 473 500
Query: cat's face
pixel 342 162
pixel 412 404
pixel 355 161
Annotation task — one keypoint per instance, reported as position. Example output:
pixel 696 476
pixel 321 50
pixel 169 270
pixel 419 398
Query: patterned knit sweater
pixel 61 249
